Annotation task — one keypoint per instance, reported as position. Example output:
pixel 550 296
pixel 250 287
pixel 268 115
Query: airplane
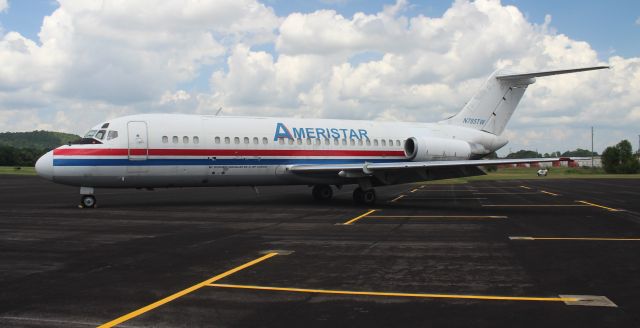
pixel 176 150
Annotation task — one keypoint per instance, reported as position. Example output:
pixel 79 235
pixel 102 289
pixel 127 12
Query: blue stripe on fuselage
pixel 205 161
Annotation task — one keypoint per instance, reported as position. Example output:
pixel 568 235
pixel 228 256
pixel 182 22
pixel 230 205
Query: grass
pixel 24 170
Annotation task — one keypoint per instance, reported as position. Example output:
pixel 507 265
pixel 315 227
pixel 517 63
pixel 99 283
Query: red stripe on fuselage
pixel 223 152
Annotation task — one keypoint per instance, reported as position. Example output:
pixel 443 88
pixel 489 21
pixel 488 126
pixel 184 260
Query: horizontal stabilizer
pixel 539 74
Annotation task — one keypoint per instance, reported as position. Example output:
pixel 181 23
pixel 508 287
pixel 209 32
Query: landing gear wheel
pixel 369 197
pixel 322 192
pixel 88 201
pixel 364 197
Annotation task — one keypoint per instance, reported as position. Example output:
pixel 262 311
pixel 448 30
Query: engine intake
pixel 434 149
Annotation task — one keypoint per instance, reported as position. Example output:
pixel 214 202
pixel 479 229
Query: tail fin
pixel 491 108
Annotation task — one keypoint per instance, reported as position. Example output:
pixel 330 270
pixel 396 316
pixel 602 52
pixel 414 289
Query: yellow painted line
pixel 358 217
pixel 525 187
pixel 600 206
pixel 397 198
pixel 439 216
pixel 422 187
pixel 505 193
pixel 446 198
pixel 575 238
pixel 536 205
pixel 184 292
pixel 349 292
pixel 549 193
pixel 414 190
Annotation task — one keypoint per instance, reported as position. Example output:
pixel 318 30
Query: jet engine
pixel 434 149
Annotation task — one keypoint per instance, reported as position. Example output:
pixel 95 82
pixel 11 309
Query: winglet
pixel 539 74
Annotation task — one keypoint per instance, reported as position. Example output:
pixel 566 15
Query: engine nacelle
pixel 435 149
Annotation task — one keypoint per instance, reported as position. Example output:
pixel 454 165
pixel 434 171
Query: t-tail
pixel 491 108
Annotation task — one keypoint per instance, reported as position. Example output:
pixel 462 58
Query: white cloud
pixel 4 5
pixel 638 21
pixel 96 59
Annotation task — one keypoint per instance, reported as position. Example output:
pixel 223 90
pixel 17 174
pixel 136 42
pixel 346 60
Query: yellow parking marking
pixel 505 193
pixel 536 205
pixel 358 218
pixel 439 216
pixel 596 205
pixel 525 187
pixel 397 199
pixel 549 193
pixel 184 292
pixel 447 198
pixel 387 294
pixel 414 190
pixel 575 238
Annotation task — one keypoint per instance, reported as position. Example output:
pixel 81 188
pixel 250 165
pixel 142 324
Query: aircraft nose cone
pixel 44 166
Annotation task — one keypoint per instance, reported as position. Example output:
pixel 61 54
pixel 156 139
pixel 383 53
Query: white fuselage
pixel 171 150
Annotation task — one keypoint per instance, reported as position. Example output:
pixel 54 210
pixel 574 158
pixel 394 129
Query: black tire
pixel 88 201
pixel 358 196
pixel 369 197
pixel 322 192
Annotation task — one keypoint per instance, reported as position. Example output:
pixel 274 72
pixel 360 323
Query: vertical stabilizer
pixel 491 108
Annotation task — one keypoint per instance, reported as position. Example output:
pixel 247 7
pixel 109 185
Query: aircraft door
pixel 138 143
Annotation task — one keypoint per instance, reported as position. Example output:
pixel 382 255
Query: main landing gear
pixel 87 199
pixel 365 197
pixel 322 192
pixel 360 196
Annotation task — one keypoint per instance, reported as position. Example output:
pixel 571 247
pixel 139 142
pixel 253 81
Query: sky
pixel 67 65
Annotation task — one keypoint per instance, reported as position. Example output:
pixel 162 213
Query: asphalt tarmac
pixel 527 253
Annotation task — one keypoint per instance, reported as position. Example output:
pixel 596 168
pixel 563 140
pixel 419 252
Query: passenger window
pixel 344 142
pixel 196 140
pixel 174 139
pixel 281 141
pixel 236 140
pixel 327 141
pixel 265 141
pixel 308 141
pixel 375 142
pixel 217 140
pixel 299 141
pixel 383 142
pixel 246 140
pixel 227 140
pixel 336 141
pixel 185 139
pixel 390 143
pixel 100 134
pixel 368 142
pixel 360 142
pixel 255 141
pixel 318 141
pixel 290 141
pixel 352 142
pixel 165 139
pixel 112 135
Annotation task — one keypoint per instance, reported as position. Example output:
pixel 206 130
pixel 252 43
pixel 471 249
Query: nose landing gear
pixel 87 199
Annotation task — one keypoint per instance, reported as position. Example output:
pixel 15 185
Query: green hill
pixel 36 139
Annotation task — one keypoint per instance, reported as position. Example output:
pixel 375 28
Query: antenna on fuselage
pixel 219 110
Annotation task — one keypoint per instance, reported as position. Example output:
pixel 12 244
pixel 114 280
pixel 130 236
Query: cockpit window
pixel 100 134
pixel 90 134
pixel 112 135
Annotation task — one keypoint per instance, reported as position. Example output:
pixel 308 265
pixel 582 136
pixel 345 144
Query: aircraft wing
pixel 369 168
